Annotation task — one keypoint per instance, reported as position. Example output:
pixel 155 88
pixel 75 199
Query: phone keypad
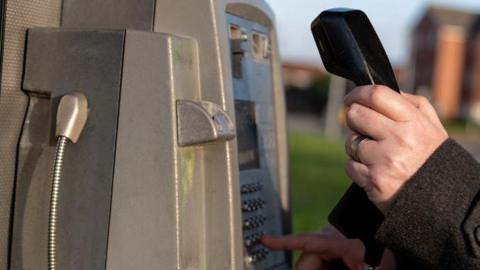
pixel 254 221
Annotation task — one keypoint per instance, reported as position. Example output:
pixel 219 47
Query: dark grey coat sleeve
pixel 434 223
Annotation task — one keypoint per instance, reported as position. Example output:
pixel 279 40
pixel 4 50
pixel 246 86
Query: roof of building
pixel 300 74
pixel 303 66
pixel 445 15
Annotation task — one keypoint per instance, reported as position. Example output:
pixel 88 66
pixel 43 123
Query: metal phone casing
pixel 145 199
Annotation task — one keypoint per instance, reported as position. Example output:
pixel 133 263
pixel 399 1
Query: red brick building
pixel 471 87
pixel 438 53
pixel 301 75
pixel 306 87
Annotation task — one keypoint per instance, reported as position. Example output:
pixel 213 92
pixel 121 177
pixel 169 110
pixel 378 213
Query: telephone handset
pixel 350 48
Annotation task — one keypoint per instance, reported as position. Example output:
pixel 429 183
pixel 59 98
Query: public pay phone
pixel 163 121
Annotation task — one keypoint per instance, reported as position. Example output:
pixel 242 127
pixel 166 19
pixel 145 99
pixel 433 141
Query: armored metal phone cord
pixel 72 114
pixel 54 195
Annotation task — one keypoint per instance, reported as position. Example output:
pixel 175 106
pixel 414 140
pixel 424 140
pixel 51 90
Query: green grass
pixel 461 128
pixel 318 179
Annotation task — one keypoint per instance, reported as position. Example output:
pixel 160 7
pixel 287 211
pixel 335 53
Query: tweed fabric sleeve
pixel 434 222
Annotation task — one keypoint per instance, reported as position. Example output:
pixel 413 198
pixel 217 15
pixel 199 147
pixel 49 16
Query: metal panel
pixel 109 14
pixel 222 213
pixel 20 14
pixel 203 20
pixel 157 206
pixel 58 62
pixel 256 86
pixel 174 207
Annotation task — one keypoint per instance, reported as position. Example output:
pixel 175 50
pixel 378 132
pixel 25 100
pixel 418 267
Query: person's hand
pixel 321 251
pixel 402 130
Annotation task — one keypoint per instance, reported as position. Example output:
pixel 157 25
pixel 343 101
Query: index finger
pixel 383 100
pixel 306 243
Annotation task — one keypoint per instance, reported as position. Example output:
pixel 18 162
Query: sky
pixel 392 19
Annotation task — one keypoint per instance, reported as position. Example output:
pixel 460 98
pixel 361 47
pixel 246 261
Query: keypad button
pixel 253 222
pixel 253 239
pixel 252 205
pixel 251 188
pixel 258 255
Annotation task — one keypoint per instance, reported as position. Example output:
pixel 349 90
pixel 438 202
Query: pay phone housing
pixel 182 163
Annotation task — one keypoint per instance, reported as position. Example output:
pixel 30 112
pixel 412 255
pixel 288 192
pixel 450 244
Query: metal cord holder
pixel 72 116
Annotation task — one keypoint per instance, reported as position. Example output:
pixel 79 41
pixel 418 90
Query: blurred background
pixel 434 47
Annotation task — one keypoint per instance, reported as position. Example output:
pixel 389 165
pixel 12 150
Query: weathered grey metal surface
pixel 20 14
pixel 202 122
pixel 158 199
pixel 173 207
pixel 109 14
pixel 59 62
pixel 222 213
pixel 143 220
